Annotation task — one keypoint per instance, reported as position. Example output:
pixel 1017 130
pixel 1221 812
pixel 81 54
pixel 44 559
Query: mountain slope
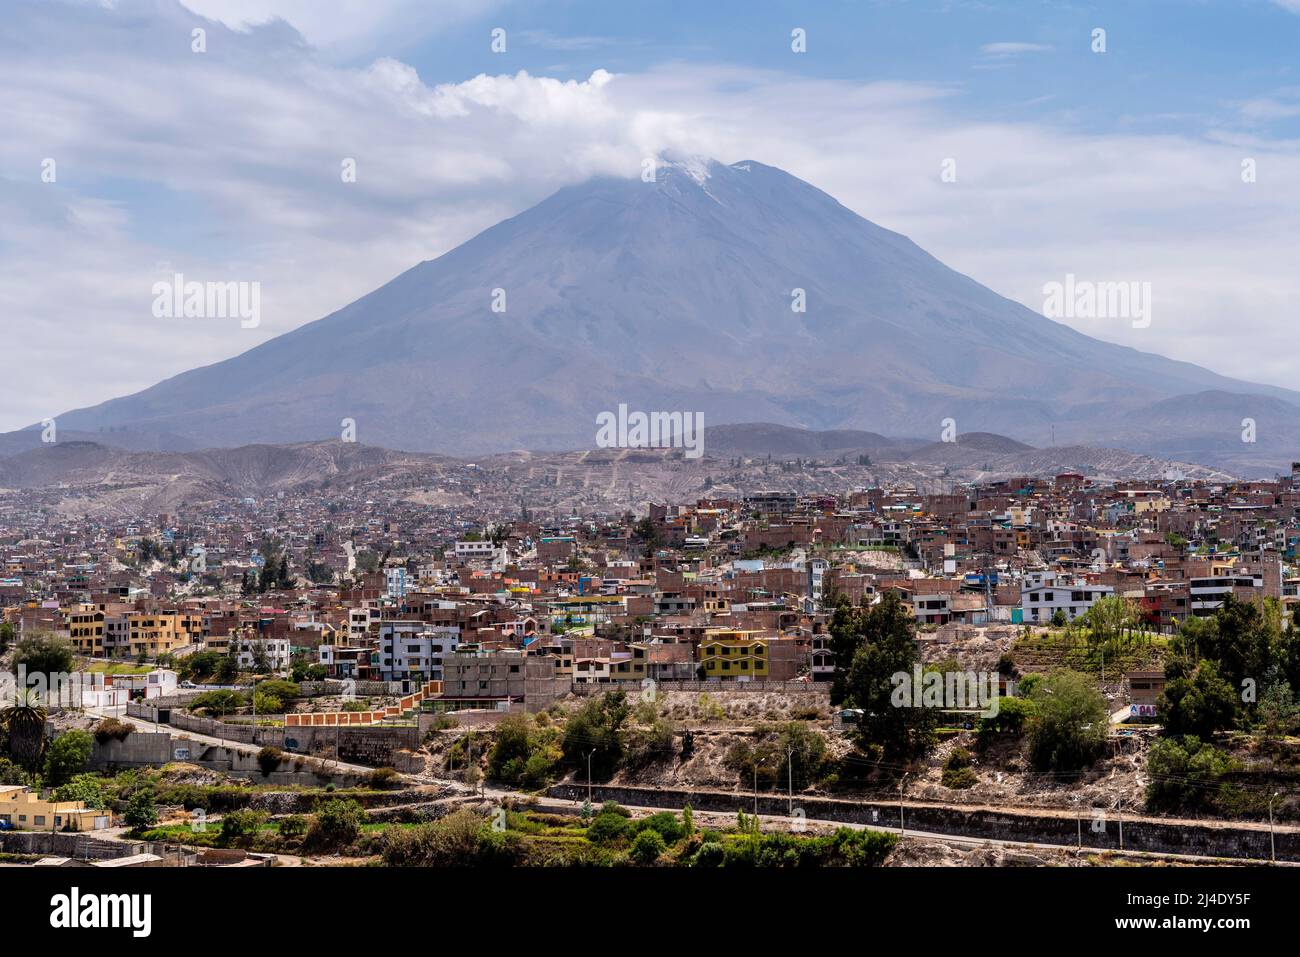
pixel 672 295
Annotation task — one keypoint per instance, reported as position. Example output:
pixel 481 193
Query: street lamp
pixel 1272 850
pixel 902 828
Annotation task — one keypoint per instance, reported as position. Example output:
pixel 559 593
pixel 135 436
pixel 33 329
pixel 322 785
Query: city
pixel 465 459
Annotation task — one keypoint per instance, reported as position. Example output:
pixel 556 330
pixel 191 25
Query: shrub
pixel 295 825
pixel 267 703
pixel 1184 775
pixel 957 771
pixel 461 839
pixel 268 759
pixel 664 823
pixel 337 825
pixel 217 702
pixel 111 729
pixel 606 828
pixel 710 854
pixel 240 826
pixel 384 778
pixel 647 846
pixel 593 738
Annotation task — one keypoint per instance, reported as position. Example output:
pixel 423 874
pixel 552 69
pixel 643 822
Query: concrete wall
pixel 821 689
pixel 376 747
pixel 1166 837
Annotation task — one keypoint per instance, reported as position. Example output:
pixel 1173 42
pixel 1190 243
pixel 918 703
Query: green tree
pixel 511 750
pixel 45 654
pixel 1199 703
pixel 67 756
pixel 1068 730
pixel 1278 714
pixel 594 731
pixel 86 788
pixel 885 639
pixel 141 810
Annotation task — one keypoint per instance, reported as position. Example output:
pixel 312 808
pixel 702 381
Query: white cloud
pixel 227 166
pixel 345 26
pixel 1013 48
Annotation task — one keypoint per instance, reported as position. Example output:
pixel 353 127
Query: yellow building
pixel 156 634
pixel 24 810
pixel 731 653
pixel 86 629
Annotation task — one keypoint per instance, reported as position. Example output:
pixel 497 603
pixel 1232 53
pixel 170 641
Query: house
pixel 25 810
pixel 1045 593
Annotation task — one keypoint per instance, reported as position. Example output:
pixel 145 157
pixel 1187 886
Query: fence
pixel 331 718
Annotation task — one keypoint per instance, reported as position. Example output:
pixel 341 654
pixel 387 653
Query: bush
pixel 284 690
pixel 45 654
pixel 664 823
pixel 710 854
pixel 523 754
pixel 295 825
pixel 606 828
pixel 337 825
pixel 1184 775
pixel 647 846
pixel 268 759
pixel 219 702
pixel 957 770
pixel 461 839
pixel 844 848
pixel 382 779
pixel 111 729
pixel 1199 704
pixel 240 826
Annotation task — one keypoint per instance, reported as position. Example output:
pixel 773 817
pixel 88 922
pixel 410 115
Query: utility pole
pixel 589 756
pixel 1119 806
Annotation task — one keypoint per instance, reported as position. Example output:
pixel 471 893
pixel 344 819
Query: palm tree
pixel 24 721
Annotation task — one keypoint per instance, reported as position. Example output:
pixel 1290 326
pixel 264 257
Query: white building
pixel 1045 593
pixel 408 648
pixel 273 651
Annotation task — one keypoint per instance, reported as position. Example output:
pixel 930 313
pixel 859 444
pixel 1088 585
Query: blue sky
pixel 225 165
